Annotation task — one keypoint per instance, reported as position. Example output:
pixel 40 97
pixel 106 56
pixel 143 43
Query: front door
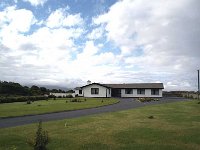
pixel 116 93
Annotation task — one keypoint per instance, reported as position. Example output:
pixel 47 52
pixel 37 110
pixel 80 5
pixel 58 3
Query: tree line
pixel 12 88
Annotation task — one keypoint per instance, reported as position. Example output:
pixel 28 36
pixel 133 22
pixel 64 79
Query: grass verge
pixel 43 106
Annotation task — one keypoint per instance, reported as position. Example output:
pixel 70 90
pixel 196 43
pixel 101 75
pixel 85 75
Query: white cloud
pixel 60 18
pixel 14 23
pixel 36 2
pixel 16 20
pixel 36 55
pixel 166 32
pixel 96 33
pixel 144 42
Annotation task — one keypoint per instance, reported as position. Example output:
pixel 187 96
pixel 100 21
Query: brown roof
pixel 129 85
pixel 104 85
pixel 136 85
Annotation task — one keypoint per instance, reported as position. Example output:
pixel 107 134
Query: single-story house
pixel 120 90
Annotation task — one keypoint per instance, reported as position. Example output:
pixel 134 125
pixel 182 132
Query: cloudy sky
pixel 67 42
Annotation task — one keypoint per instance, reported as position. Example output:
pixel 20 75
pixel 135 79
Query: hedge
pixel 12 99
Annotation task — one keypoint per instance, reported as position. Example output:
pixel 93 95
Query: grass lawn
pixel 43 106
pixel 175 126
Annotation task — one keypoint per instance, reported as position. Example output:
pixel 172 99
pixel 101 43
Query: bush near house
pixel 147 99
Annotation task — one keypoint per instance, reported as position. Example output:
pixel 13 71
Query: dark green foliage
pixel 15 89
pixel 51 96
pixel 70 91
pixel 151 117
pixel 28 102
pixel 69 96
pixel 75 100
pixel 43 90
pixel 147 99
pixel 41 139
pixel 11 99
pixel 11 88
pixel 35 90
pixel 54 91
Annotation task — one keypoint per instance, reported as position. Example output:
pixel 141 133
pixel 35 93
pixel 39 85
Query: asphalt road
pixel 124 104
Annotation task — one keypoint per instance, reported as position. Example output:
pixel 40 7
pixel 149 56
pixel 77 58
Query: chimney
pixel 89 82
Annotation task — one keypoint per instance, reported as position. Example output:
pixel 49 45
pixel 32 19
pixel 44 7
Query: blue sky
pixel 67 42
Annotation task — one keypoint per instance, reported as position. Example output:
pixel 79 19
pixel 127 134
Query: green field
pixel 175 126
pixel 43 106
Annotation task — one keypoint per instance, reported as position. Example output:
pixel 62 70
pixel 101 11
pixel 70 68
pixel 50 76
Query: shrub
pixel 156 99
pixel 41 139
pixel 69 96
pixel 147 99
pixel 51 96
pixel 75 100
pixel 11 99
pixel 28 102
pixel 151 117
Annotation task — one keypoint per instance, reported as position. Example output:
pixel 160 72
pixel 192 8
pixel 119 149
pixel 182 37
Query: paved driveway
pixel 124 104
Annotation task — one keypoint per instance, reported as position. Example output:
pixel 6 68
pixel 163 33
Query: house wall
pixel 147 93
pixel 77 93
pixel 102 91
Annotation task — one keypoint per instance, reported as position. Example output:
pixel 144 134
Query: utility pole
pixel 198 85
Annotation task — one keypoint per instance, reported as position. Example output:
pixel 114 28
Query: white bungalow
pixel 120 90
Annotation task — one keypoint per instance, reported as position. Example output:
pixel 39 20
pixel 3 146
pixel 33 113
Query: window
pixel 80 91
pixel 154 91
pixel 128 91
pixel 94 90
pixel 140 91
pixel 109 91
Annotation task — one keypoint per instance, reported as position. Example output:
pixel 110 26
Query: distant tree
pixel 70 91
pixel 54 91
pixel 43 90
pixel 35 90
pixel 61 91
pixel 12 88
